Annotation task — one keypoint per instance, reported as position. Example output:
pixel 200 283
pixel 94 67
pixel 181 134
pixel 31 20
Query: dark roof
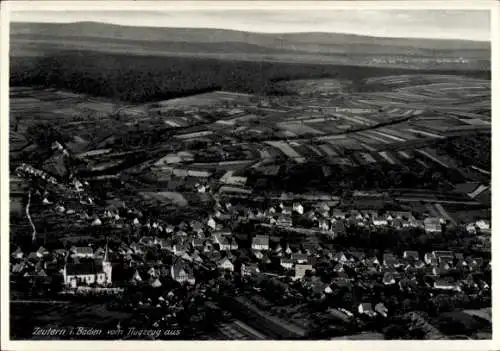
pixel 82 268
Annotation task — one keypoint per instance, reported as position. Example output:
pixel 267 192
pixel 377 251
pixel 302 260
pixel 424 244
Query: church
pixel 88 272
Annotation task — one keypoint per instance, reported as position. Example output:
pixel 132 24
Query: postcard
pixel 248 174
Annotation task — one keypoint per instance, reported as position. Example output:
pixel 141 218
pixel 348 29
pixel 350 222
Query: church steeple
pixel 106 254
pixel 107 268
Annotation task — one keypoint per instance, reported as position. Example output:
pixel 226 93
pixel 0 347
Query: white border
pixel 6 6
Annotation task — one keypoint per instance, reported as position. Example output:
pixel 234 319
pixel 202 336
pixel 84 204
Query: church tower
pixel 106 266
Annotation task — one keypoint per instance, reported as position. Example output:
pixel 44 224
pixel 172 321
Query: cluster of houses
pixel 207 244
pixel 211 246
pixel 25 169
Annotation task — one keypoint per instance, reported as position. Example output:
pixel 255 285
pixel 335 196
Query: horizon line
pixel 257 32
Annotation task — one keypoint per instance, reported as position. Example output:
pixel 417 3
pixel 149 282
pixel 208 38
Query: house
pixel 340 257
pixel 41 252
pixel 19 267
pixel 442 284
pixel 233 244
pixel 474 263
pixel 299 258
pixel 366 309
pixel 179 249
pixel 258 255
pixel 379 221
pixel 249 269
pixel 88 272
pixel 323 224
pixel 260 242
pixel 286 263
pixel 442 269
pixel 221 241
pixel 284 221
pixel 439 256
pixel 338 214
pixel 357 255
pixel 407 284
pixel 471 228
pixel 483 225
pixel 301 269
pixel 297 207
pixel 162 243
pixel 136 276
pixel 211 223
pixel 388 279
pixel 18 254
pixel 381 309
pixel 372 260
pixel 225 264
pixel 181 272
pixel 432 225
pixel 83 252
pixel 390 260
pixel 411 255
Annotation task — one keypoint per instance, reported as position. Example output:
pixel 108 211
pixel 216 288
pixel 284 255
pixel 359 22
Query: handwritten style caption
pixel 99 333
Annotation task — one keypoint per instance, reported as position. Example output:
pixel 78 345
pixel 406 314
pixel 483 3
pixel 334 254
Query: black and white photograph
pixel 248 173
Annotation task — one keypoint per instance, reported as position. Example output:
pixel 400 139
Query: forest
pixel 149 78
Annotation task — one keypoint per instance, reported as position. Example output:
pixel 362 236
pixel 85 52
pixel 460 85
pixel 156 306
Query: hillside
pixel 94 35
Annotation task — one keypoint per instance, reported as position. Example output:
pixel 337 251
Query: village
pixel 296 246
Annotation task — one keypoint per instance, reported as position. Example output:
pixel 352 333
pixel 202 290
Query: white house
pixel 286 263
pixel 225 264
pixel 83 252
pixel 297 207
pixel 260 242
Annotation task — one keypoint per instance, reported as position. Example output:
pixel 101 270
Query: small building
pixel 249 269
pixel 381 309
pixel 284 221
pixel 181 272
pixel 301 269
pixel 388 279
pixel 340 257
pixel 260 242
pixel 83 252
pixel 18 254
pixel 286 263
pixel 411 255
pixel 221 241
pixel 390 260
pixel 366 309
pixel 225 264
pixel 448 285
pixel 432 225
pixel 299 258
pixel 379 221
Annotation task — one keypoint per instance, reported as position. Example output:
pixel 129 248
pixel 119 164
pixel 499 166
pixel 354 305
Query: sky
pixel 438 24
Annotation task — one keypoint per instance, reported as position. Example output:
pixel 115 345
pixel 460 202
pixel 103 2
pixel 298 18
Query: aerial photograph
pixel 239 174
